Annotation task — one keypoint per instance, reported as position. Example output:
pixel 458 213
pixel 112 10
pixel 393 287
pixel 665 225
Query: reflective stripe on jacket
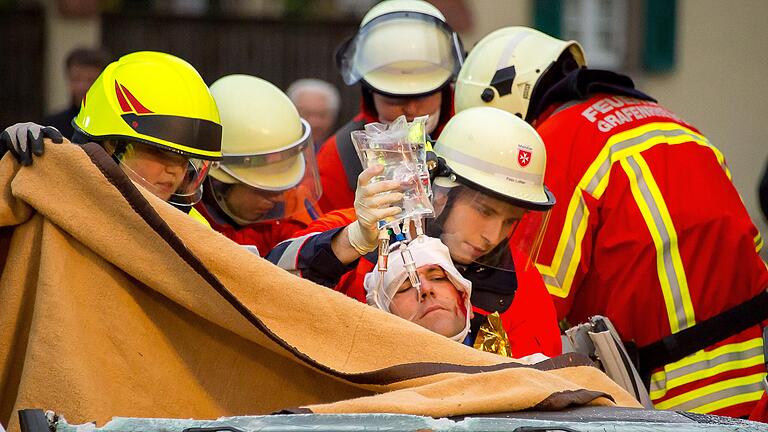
pixel 198 217
pixel 650 231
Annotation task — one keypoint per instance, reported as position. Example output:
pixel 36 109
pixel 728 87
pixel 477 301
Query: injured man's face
pixel 443 304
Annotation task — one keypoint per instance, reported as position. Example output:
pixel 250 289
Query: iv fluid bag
pixel 400 148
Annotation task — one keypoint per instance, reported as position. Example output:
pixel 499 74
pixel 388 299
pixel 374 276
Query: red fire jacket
pixel 760 413
pixel 650 231
pixel 264 235
pixel 529 321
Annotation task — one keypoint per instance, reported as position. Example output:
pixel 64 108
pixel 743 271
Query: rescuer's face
pixel 163 171
pixel 249 203
pixel 390 108
pixel 476 224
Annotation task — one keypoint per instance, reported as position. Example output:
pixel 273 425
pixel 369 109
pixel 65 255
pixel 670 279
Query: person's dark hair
pixel 82 56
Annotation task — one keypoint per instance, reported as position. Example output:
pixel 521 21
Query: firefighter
pixel 154 115
pixel 649 224
pixel 266 186
pixel 482 197
pixel 405 56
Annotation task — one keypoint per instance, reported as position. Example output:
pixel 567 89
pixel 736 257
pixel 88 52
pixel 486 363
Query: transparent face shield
pixel 484 229
pixel 408 51
pixel 253 188
pixel 170 176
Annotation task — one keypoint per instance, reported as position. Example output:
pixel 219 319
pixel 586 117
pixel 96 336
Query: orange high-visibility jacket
pixel 649 231
pixel 265 235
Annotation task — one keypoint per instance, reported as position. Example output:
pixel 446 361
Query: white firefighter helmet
pixel 266 145
pixel 493 166
pixel 491 149
pixel 403 48
pixel 505 67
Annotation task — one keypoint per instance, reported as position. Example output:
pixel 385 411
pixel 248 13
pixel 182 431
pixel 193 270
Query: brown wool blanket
pixel 113 303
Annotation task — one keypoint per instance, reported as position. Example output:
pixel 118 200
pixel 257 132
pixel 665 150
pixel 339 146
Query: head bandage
pixel 425 251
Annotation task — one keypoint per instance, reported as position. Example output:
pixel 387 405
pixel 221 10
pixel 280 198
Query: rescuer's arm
pixel 310 257
pixel 331 246
pixel 372 203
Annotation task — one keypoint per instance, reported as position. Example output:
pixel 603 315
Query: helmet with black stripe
pixel 154 106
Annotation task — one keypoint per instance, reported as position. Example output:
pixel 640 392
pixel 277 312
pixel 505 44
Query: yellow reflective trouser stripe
pixel 558 275
pixel 749 396
pixel 717 395
pixel 758 242
pixel 705 364
pixel 669 265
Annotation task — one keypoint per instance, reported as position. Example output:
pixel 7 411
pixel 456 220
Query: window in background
pixel 622 35
pixel 601 28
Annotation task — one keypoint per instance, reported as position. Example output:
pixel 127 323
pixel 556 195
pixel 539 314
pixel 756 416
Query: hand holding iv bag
pixel 400 148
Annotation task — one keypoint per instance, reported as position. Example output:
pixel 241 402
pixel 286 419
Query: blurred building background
pixel 703 59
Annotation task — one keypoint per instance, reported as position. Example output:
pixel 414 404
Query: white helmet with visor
pixel 403 48
pixel 267 148
pixel 490 192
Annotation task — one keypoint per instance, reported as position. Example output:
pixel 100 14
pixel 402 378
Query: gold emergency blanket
pixel 113 303
pixel 492 338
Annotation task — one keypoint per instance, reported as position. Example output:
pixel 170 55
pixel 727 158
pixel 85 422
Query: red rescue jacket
pixel 650 232
pixel 760 413
pixel 264 235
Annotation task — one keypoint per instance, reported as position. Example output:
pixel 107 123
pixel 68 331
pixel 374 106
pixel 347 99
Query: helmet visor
pixel 170 176
pixel 254 188
pixel 404 53
pixel 278 170
pixel 500 235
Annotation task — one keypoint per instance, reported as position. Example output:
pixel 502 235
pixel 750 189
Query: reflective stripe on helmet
pixel 452 154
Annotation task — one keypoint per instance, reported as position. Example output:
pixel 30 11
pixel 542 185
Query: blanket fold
pixel 114 303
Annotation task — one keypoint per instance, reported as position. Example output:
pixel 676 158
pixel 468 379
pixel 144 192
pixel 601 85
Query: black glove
pixel 25 139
